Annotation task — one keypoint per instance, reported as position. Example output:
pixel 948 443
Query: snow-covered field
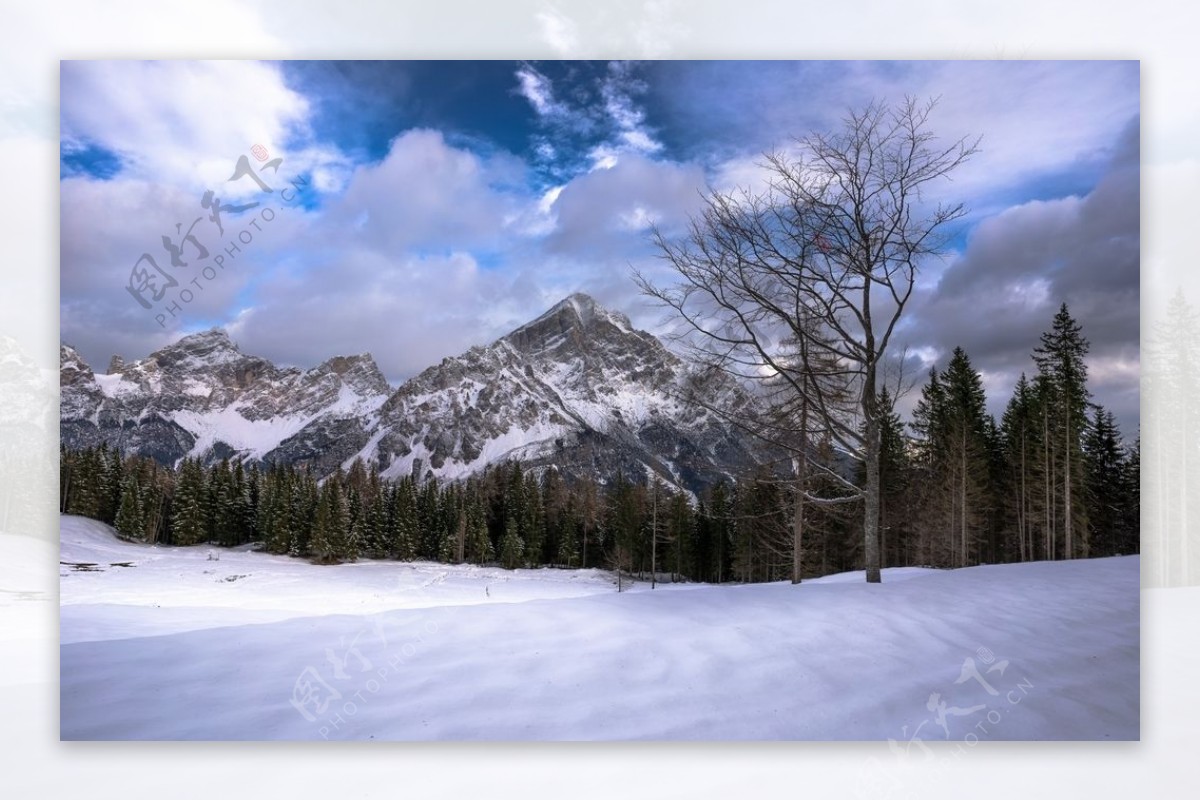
pixel 166 643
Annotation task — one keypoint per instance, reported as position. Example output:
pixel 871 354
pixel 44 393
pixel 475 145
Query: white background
pixel 33 37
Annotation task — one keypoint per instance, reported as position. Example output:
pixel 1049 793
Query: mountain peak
pixel 359 371
pixel 209 347
pixel 588 310
pixel 214 336
pixel 576 315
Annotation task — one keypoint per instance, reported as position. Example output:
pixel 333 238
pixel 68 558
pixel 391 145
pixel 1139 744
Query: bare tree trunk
pixel 962 508
pixel 801 484
pixel 461 538
pixel 1068 522
pixel 797 530
pixel 1022 521
pixel 1049 482
pixel 654 535
pixel 871 501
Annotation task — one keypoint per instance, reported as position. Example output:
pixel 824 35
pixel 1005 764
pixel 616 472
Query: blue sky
pixel 442 203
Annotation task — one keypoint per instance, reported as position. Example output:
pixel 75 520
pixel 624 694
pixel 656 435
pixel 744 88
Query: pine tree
pixel 532 522
pixel 721 533
pixel 254 483
pixel 567 553
pixel 556 505
pixel 402 521
pixel 1063 372
pixel 87 484
pixel 111 484
pixel 589 510
pixel 189 522
pixel 373 533
pixel 452 526
pixel 479 543
pixel 895 485
pixel 429 521
pixel 1131 517
pixel 275 509
pixel 222 517
pixel 930 426
pixel 153 500
pixel 624 524
pixel 954 460
pixel 967 435
pixel 1020 432
pixel 512 549
pixel 1107 486
pixel 681 535
pixel 302 511
pixel 130 522
pixel 330 543
pixel 241 510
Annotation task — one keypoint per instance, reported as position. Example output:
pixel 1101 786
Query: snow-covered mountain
pixel 26 391
pixel 578 388
pixel 201 396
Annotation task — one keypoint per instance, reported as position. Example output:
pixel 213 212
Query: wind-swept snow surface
pixel 164 643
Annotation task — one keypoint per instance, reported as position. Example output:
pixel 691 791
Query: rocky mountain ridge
pixel 578 388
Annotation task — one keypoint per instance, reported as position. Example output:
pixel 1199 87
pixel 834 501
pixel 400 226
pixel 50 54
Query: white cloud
pixel 603 157
pixel 537 89
pixel 425 193
pixel 184 124
pixel 618 90
pixel 559 30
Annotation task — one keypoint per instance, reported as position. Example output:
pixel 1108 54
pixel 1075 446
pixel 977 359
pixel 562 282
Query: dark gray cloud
pixel 996 298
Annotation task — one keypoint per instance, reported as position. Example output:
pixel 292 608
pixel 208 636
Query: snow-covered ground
pixel 166 643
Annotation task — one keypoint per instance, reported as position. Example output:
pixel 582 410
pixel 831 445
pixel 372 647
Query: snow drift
pixel 168 643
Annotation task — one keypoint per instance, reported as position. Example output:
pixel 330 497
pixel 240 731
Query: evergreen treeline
pixel 1051 480
pixel 504 515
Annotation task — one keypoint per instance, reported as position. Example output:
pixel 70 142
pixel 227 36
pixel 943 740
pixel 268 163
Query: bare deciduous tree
pixel 798 288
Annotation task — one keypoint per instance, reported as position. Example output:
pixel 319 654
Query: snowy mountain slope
pixel 1046 650
pixel 26 392
pixel 201 396
pixel 578 388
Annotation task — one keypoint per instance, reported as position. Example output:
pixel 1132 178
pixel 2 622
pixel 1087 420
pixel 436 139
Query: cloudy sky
pixel 419 208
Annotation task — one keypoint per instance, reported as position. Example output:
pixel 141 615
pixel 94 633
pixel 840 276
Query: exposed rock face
pixel 578 388
pixel 203 397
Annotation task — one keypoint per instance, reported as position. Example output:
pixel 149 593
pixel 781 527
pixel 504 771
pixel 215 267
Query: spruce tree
pixel 222 517
pixel 402 521
pixel 1131 518
pixel 1020 431
pixel 1106 484
pixel 969 455
pixel 512 549
pixel 567 553
pixel 1063 371
pixel 189 521
pixel 130 522
pixel 153 501
pixel 895 488
pixel 330 540
pixel 479 543
pixel 111 483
